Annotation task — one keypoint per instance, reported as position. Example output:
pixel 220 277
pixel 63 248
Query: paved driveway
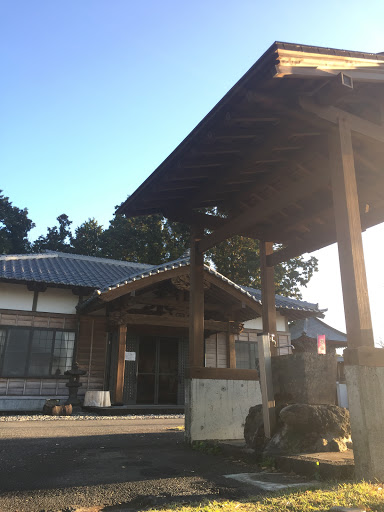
pixel 124 464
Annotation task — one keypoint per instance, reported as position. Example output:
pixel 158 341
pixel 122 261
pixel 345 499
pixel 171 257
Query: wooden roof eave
pixel 264 65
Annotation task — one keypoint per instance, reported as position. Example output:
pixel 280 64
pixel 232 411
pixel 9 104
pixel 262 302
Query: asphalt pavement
pixel 107 465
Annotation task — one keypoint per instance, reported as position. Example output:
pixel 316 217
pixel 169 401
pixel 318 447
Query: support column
pixel 348 229
pixel 267 348
pixel 119 383
pixel 364 364
pixel 196 304
pixel 231 350
pixel 268 293
pixel 266 384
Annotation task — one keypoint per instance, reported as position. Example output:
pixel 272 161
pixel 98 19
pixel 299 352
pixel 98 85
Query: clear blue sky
pixel 95 94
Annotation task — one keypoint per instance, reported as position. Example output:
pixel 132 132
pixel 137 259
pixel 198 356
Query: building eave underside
pixel 262 153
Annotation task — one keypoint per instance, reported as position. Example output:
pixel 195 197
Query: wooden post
pixel 266 384
pixel 119 384
pixel 196 304
pixel 348 229
pixel 268 293
pixel 231 350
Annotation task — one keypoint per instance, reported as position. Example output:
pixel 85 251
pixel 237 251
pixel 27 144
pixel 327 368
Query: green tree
pixel 238 258
pixel 176 239
pixel 138 239
pixel 88 238
pixel 14 227
pixel 57 238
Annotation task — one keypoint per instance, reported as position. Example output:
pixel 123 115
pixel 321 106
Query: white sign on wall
pixel 130 356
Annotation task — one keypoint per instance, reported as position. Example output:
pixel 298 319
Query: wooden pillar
pixel 196 304
pixel 348 229
pixel 268 293
pixel 266 384
pixel 119 383
pixel 231 350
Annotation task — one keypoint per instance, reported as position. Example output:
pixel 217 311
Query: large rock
pixel 311 428
pixel 317 418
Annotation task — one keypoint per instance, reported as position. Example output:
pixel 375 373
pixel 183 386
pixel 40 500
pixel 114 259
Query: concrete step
pixel 325 465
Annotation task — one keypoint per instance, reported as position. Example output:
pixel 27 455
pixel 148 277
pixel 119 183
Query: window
pixel 247 356
pixel 27 352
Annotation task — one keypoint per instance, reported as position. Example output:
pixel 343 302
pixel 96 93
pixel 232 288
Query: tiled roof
pixel 286 302
pixel 312 327
pixel 104 275
pixel 66 269
pixel 281 302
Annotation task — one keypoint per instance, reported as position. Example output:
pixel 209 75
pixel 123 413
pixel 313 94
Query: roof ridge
pixel 59 254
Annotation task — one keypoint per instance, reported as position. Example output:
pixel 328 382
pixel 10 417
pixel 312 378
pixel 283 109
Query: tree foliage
pixel 57 238
pixel 138 239
pixel 238 258
pixel 14 227
pixel 88 238
pixel 152 239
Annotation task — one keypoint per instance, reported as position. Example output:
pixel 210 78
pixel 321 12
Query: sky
pixel 95 94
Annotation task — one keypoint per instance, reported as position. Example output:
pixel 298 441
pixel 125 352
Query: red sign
pixel 321 347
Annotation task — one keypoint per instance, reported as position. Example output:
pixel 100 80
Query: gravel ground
pixel 82 416
pixel 127 464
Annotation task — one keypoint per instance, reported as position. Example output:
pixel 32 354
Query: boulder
pixel 317 418
pixel 311 428
pixel 301 428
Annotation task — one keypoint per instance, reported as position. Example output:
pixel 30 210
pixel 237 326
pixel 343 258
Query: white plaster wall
pixel 57 300
pixel 15 296
pixel 257 323
pixel 216 409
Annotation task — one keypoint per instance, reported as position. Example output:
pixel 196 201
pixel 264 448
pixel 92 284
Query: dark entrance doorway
pixel 157 371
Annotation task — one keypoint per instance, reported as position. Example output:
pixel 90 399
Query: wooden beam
pixel 121 347
pixel 196 301
pixel 222 373
pixel 337 88
pixel 288 195
pixel 202 220
pixel 166 321
pixel 178 304
pixel 333 114
pixel 245 299
pixel 348 228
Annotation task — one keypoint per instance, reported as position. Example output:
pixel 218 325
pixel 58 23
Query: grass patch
pixel 368 496
pixel 208 447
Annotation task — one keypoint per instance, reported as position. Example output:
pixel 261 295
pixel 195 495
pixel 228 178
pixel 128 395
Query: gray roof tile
pixel 104 274
pixel 66 269
pixel 312 327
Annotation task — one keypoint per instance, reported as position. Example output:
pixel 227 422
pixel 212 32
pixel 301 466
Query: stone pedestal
pixel 215 409
pixel 305 378
pixel 364 371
